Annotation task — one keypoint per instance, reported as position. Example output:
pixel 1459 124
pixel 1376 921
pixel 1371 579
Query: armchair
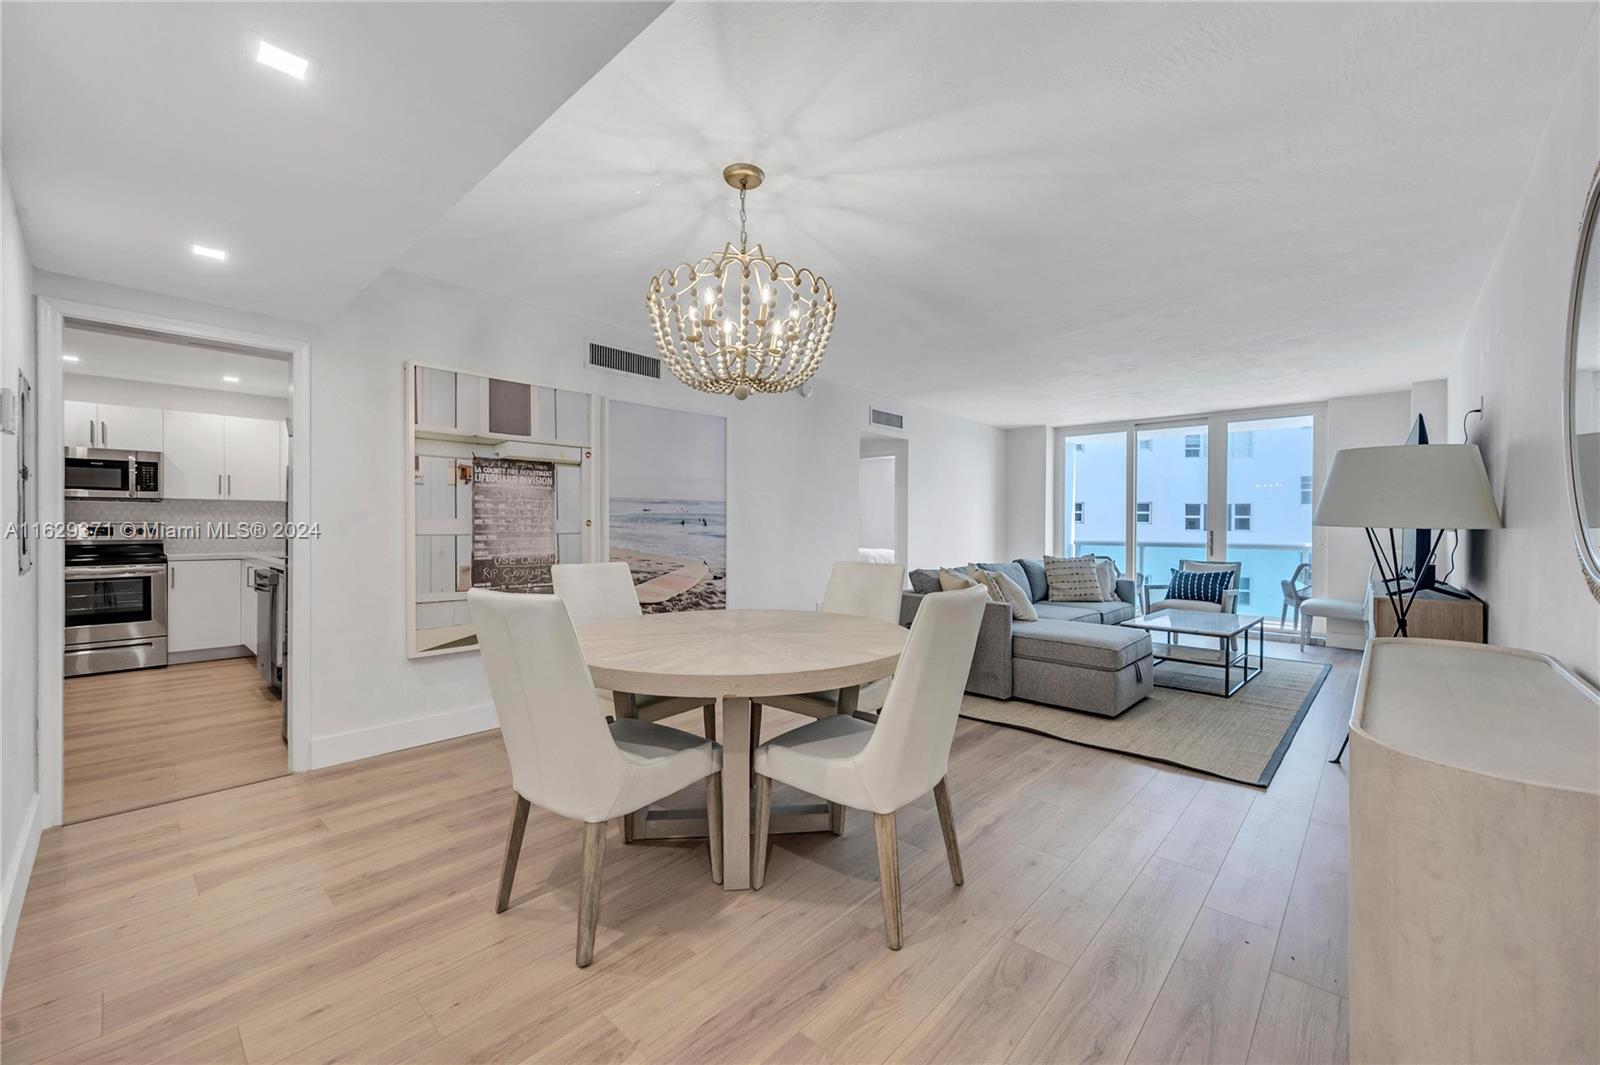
pixel 1230 597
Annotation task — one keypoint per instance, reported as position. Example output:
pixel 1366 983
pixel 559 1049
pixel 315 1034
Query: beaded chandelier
pixel 740 321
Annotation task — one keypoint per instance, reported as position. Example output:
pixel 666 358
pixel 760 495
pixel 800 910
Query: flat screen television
pixel 1414 547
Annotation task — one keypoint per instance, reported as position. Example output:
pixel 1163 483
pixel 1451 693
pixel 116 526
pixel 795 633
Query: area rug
pixel 1242 738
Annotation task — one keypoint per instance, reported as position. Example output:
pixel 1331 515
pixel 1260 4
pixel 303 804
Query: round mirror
pixel 1583 394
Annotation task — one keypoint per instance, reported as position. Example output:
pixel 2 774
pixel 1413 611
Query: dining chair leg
pixel 888 877
pixel 758 860
pixel 714 824
pixel 594 856
pixel 710 712
pixel 947 824
pixel 508 873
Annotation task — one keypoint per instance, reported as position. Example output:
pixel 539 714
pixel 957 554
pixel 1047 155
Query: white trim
pixel 399 735
pixel 53 313
pixel 14 888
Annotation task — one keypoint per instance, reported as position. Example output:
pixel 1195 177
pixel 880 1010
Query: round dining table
pixel 739 657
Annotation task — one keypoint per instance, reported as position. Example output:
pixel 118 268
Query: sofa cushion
pixel 1049 611
pixel 1203 586
pixel 1010 569
pixel 1185 604
pixel 951 580
pixel 1074 643
pixel 1021 601
pixel 979 575
pixel 1038 583
pixel 924 581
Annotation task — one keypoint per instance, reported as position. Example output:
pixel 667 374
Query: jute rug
pixel 1242 738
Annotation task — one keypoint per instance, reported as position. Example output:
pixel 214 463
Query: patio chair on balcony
pixel 1296 590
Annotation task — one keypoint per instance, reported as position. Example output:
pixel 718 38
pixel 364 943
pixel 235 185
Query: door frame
pixel 1216 474
pixel 53 314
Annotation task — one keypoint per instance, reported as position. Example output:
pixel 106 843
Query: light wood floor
pixel 1113 910
pixel 149 736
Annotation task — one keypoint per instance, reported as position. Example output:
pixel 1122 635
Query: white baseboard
pixel 398 735
pixel 14 888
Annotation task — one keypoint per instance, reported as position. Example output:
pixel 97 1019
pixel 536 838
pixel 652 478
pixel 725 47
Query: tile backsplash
pixel 190 512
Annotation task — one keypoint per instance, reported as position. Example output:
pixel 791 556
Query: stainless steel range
pixel 116 598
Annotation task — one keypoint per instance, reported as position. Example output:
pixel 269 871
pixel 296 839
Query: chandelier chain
pixel 744 238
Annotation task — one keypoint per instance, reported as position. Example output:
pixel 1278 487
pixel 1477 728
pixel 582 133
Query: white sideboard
pixel 1474 857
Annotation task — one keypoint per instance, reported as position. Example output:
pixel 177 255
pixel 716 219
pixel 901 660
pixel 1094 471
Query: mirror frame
pixel 1586 238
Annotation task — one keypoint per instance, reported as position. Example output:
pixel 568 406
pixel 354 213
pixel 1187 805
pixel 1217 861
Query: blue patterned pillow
pixel 1206 587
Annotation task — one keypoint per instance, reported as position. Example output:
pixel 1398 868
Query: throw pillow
pixel 952 581
pixel 987 580
pixel 1021 602
pixel 1199 587
pixel 1072 580
pixel 1038 583
pixel 1106 570
pixel 924 581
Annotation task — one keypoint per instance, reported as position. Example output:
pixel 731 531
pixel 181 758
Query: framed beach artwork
pixel 500 487
pixel 668 492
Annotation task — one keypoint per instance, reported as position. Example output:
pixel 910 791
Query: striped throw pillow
pixel 1199 587
pixel 1072 580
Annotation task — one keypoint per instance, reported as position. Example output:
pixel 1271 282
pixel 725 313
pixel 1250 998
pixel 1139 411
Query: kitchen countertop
pixel 225 556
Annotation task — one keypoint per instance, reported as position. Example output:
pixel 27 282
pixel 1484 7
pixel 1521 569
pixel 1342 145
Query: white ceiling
pixel 192 366
pixel 1052 213
pixel 132 131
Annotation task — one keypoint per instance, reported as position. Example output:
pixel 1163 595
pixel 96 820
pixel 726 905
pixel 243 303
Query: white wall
pixel 1030 493
pixel 1375 420
pixel 792 492
pixel 19 593
pixel 876 502
pixel 93 389
pixel 1512 353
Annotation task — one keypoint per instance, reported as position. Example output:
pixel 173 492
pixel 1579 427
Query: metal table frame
pixel 1225 658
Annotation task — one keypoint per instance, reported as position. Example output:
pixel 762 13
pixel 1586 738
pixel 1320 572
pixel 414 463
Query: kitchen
pixel 177 476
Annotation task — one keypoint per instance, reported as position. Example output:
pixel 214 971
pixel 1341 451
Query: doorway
pixel 882 499
pixel 168 625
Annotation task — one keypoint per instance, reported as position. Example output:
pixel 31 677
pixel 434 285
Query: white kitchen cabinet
pixel 133 428
pixel 202 604
pixel 191 458
pixel 82 425
pixel 250 459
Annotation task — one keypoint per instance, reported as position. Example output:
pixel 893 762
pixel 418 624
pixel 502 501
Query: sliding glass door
pixel 1094 495
pixel 1233 487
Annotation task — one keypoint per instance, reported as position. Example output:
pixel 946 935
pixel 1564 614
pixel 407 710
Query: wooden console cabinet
pixel 1434 616
pixel 1474 845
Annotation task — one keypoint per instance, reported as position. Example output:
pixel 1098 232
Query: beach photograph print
pixel 668 503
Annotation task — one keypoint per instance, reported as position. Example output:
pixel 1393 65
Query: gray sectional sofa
pixel 1076 655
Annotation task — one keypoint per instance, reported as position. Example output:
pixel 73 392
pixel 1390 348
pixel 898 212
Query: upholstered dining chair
pixel 884 766
pixel 868 590
pixel 564 757
pixel 600 591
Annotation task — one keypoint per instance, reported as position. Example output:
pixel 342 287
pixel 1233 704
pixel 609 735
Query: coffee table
pixel 1224 628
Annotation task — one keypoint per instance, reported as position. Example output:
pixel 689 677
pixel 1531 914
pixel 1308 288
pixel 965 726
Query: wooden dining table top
pixel 739 653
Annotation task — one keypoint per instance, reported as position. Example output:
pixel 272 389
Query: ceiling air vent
pixel 608 358
pixel 886 419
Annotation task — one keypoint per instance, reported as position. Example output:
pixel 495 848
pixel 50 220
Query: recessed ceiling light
pixel 69 358
pixel 279 60
pixel 232 380
pixel 209 253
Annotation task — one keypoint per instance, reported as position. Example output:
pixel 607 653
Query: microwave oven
pixel 103 473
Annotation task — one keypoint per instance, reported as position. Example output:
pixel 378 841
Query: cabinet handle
pixel 219 484
pixel 104 436
pixel 230 484
pixel 91 432
pixel 172 576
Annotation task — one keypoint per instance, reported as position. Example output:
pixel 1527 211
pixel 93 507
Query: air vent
pixel 886 419
pixel 624 361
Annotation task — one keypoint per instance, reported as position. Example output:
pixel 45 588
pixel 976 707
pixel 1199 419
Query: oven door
pixel 92 473
pixel 115 603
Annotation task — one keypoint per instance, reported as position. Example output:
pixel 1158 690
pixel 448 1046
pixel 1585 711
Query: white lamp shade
pixel 1438 486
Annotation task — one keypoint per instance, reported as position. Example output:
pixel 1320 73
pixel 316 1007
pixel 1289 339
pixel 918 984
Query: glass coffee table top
pixel 1194 622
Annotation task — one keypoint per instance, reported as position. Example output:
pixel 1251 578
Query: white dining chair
pixel 864 589
pixel 884 766
pixel 564 757
pixel 600 591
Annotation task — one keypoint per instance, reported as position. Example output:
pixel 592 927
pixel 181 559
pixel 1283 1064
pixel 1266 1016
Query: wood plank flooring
pixel 1114 910
pixel 150 736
